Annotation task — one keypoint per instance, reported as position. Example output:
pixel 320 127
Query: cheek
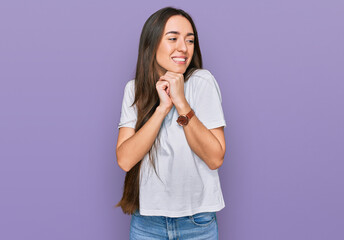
pixel 192 49
pixel 191 53
pixel 163 52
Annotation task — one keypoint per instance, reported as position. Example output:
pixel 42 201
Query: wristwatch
pixel 183 120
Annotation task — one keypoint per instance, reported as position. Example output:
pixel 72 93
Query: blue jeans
pixel 200 226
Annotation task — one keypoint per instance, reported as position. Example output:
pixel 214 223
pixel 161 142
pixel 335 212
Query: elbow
pixel 124 168
pixel 216 164
pixel 121 163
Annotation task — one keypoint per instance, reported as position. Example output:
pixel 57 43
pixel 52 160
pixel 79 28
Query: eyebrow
pixel 175 32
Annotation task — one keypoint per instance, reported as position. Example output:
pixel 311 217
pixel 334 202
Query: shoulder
pixel 130 86
pixel 202 73
pixel 203 77
pixel 202 80
pixel 129 90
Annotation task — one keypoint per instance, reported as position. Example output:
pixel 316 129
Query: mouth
pixel 179 60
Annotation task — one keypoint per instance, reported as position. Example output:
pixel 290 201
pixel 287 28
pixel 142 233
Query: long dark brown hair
pixel 146 96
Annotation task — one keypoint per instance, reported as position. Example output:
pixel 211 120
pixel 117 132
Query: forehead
pixel 179 24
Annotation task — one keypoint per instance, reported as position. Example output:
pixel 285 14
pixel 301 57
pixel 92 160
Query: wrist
pixel 184 119
pixel 183 108
pixel 162 110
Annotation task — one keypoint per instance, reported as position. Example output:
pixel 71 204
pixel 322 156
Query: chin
pixel 179 70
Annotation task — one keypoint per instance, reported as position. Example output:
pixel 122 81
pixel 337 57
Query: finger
pixel 166 88
pixel 164 78
pixel 163 85
pixel 173 76
pixel 161 82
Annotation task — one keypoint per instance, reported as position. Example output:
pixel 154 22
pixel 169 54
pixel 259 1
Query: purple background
pixel 64 65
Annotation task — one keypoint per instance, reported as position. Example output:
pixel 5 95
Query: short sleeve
pixel 128 113
pixel 208 100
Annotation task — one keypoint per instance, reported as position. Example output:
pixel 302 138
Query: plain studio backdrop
pixel 63 68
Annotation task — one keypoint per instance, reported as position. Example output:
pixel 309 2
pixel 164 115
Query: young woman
pixel 171 140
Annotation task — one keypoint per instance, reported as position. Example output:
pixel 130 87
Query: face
pixel 176 47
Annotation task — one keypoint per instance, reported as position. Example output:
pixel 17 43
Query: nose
pixel 181 45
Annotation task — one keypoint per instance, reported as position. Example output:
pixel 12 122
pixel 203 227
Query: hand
pixel 175 87
pixel 163 88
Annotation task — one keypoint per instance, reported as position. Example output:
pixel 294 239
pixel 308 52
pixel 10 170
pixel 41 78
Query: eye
pixel 172 39
pixel 191 41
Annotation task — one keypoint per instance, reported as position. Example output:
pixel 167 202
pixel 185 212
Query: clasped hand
pixel 170 88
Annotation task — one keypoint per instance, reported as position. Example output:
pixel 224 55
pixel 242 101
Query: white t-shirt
pixel 188 185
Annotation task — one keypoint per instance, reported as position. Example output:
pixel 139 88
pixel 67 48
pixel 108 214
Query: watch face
pixel 182 120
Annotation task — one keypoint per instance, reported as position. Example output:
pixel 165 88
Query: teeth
pixel 179 59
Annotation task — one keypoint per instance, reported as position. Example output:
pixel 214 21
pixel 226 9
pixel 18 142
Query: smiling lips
pixel 179 60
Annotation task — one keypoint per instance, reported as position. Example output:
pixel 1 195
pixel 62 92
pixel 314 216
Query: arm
pixel 209 145
pixel 141 141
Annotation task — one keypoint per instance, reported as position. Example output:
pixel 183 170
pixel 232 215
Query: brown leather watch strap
pixel 190 114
